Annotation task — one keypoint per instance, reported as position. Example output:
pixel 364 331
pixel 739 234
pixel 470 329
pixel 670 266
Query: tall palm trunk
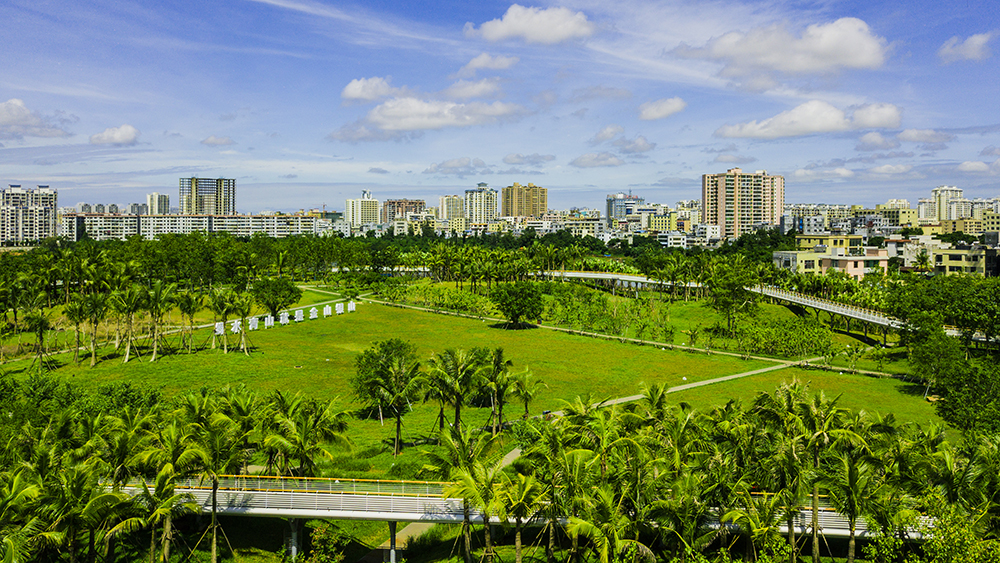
pixel 215 492
pixel 166 538
pixel 466 532
pixel 517 540
pixel 815 518
pixel 488 538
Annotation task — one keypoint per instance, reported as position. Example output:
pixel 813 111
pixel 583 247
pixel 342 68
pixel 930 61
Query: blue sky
pixel 307 102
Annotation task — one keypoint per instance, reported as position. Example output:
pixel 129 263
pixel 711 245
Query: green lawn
pixel 858 392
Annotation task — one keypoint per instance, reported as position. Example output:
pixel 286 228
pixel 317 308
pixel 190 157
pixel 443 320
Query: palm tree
pixel 521 497
pixel 477 485
pixel 220 303
pixel 461 451
pixel 456 373
pixel 127 303
pixel 161 504
pixel 221 441
pixel 76 503
pixel 76 313
pixel 498 381
pixel 758 516
pixel 159 300
pixel 18 529
pixel 852 486
pixel 302 438
pixel 189 303
pixel 609 529
pixel 388 376
pixel 242 306
pixel 525 387
pixel 96 306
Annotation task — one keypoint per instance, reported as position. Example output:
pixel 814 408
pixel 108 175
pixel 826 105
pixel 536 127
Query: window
pixel 810 264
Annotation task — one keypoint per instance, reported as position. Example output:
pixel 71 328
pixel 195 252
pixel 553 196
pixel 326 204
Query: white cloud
pixel 924 136
pixel 463 166
pixel 892 169
pixel 822 48
pixel 815 174
pixel 487 62
pixel 530 159
pixel 535 25
pixel 368 89
pixel 17 121
pixel 661 108
pixel 218 141
pixel 606 134
pixel 973 48
pixel 874 141
pixel 973 166
pixel 124 135
pixel 734 159
pixel 594 160
pixel 635 146
pixel 813 117
pixel 398 118
pixel 465 89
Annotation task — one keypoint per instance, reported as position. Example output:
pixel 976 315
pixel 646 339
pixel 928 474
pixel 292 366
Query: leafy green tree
pixel 275 294
pixel 517 301
pixel 456 375
pixel 388 377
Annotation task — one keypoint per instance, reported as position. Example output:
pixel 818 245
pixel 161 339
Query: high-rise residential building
pixel 27 214
pixel 620 205
pixel 100 208
pixel 158 204
pixel 398 208
pixel 738 201
pixel 362 211
pixel 207 196
pixel 896 204
pixel 451 207
pixel 137 209
pixel 942 196
pixel 524 201
pixel 926 208
pixel 481 204
pixel 113 208
pixel 84 208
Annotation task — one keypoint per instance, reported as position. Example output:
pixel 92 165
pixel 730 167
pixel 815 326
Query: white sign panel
pixel 268 321
pixel 298 316
pixel 350 307
pixel 327 311
pixel 253 323
pixel 313 313
pixel 220 327
pixel 340 308
pixel 284 318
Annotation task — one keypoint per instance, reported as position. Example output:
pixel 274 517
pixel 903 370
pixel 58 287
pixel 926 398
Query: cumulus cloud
pixel 734 159
pixel 814 117
pixel 534 159
pixel 594 160
pixel 990 151
pixel 822 48
pixel 399 118
pixel 974 166
pixel 534 25
pixel 214 141
pixel 892 169
pixel 973 48
pixel 606 134
pixel 412 114
pixel 600 92
pixel 465 89
pixel 124 135
pixel 17 121
pixel 661 108
pixel 634 146
pixel 368 89
pixel 376 170
pixel 874 141
pixel 463 166
pixel 485 61
pixel 925 136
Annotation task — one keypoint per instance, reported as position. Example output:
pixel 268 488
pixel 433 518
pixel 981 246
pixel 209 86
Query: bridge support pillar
pixel 392 542
pixel 293 547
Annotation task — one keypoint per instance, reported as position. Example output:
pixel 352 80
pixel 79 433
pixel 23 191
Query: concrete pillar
pixel 293 548
pixel 392 542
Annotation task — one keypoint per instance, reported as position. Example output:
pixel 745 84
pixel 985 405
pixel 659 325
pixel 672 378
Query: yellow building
pixel 964 260
pixel 851 243
pixel 524 201
pixel 967 226
pixel 663 223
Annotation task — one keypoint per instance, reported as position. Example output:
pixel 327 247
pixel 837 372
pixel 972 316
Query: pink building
pixel 856 266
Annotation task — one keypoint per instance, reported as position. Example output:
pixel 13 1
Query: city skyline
pixel 849 101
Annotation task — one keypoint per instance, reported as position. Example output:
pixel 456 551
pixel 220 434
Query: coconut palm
pixel 96 306
pixel 497 381
pixel 521 498
pixel 302 439
pixel 388 377
pixel 525 387
pixel 127 303
pixel 189 303
pixel 76 313
pixel 159 300
pixel 852 486
pixel 456 373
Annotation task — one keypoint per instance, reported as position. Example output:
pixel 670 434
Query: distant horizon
pixel 307 102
